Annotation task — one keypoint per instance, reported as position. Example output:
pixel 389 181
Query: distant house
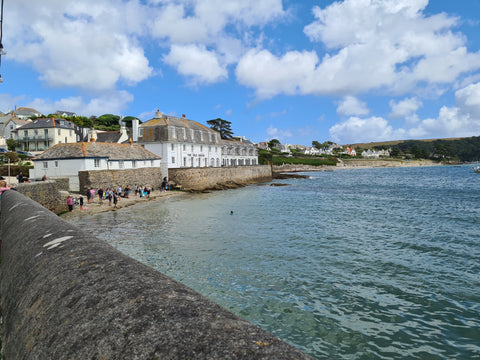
pixel 66 160
pixel 12 124
pixel 41 134
pixel 65 113
pixel 25 113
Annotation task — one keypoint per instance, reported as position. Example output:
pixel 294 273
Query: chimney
pixel 158 114
pixel 135 130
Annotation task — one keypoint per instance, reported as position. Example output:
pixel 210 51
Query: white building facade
pixel 185 143
pixel 66 160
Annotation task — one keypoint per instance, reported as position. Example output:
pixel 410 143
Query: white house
pixel 186 143
pixel 66 160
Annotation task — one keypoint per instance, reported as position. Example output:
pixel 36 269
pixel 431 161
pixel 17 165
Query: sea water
pixel 350 264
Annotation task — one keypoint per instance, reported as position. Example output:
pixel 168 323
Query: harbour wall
pixel 113 178
pixel 51 193
pixel 65 294
pixel 217 178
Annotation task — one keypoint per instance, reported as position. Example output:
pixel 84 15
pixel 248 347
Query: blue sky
pixel 347 71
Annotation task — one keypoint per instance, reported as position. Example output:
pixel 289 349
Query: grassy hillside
pixel 394 142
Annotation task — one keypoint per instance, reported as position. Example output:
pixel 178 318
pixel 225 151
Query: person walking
pixel 100 195
pixel 81 202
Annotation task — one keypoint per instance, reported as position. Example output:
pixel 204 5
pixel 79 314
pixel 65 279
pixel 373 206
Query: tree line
pixel 464 150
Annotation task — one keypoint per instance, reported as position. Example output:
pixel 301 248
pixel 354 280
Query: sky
pixel 298 71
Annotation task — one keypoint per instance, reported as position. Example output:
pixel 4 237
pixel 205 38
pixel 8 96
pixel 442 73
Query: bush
pixel 13 156
pixel 305 161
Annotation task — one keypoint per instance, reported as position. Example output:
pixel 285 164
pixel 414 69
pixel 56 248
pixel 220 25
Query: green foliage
pixel 273 144
pixel 304 161
pixel 323 145
pixel 264 157
pixel 15 169
pixel 108 128
pixel 13 156
pixel 128 120
pixel 222 126
pixel 11 144
pixel 107 120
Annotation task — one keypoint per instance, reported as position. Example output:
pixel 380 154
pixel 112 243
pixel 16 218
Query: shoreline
pixel 95 207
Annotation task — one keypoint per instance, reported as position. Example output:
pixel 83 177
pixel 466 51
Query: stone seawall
pixel 199 179
pixel 52 193
pixel 65 294
pixel 108 178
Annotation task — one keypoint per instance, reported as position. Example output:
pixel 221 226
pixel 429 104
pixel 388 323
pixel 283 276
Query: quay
pixel 64 294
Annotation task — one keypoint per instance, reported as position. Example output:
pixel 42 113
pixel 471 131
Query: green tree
pixel 274 144
pixel 108 120
pixel 128 120
pixel 222 126
pixel 395 152
pixel 316 144
pixel 11 144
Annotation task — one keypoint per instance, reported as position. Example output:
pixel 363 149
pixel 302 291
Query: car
pixel 3 150
pixel 26 153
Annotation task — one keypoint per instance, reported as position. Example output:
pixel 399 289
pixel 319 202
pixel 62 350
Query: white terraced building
pixel 186 143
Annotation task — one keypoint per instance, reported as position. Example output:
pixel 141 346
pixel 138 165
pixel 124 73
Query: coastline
pixel 279 172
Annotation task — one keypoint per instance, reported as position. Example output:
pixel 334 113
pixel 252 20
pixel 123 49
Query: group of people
pixel 113 194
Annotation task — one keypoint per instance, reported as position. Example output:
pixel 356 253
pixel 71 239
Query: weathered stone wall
pixel 64 294
pixel 51 193
pixel 199 179
pixel 111 178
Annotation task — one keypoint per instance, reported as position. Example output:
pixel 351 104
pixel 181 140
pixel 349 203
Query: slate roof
pixel 25 111
pixel 20 121
pixel 47 123
pixel 108 136
pixel 175 121
pixel 111 151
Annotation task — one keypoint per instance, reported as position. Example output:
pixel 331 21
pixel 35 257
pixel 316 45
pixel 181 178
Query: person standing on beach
pixel 81 203
pixel 89 195
pixel 70 203
pixel 100 194
pixel 115 201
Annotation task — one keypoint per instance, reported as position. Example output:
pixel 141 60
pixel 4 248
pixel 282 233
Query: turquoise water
pixel 350 264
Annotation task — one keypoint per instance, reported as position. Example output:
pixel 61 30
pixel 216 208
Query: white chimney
pixel 135 130
pixel 158 114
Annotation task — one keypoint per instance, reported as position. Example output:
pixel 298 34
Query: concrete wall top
pixel 65 294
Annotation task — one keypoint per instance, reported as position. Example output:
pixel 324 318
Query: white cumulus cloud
pixel 350 105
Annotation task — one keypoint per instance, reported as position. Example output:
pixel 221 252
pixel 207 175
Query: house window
pixel 192 148
pixel 134 164
pixel 25 133
pixel 120 164
pixel 184 161
pixel 201 148
pixel 173 159
pixel 36 131
pixel 184 147
pixel 56 163
pixel 96 163
pixel 172 147
pixel 174 135
pixel 58 131
pixel 70 132
pixel 45 164
pixel 152 163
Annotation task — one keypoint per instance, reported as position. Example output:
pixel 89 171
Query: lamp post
pixel 2 50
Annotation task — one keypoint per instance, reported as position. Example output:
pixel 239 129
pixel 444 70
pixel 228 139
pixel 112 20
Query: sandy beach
pixel 96 206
